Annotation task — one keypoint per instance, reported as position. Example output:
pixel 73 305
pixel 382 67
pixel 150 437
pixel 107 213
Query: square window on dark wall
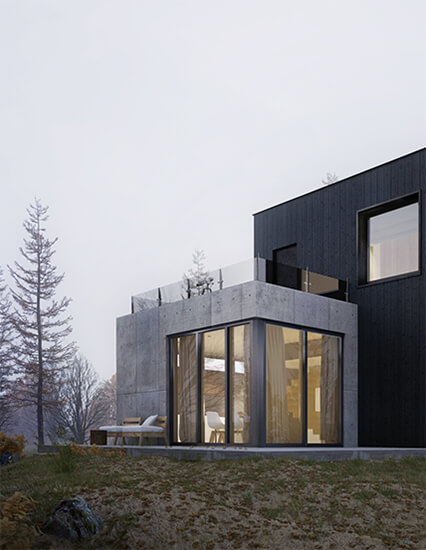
pixel 388 239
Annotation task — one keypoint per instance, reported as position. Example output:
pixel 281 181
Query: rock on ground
pixel 73 519
pixel 8 458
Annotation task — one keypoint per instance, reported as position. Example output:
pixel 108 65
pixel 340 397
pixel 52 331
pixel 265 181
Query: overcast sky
pixel 153 128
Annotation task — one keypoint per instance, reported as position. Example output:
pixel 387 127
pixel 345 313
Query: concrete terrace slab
pixel 321 454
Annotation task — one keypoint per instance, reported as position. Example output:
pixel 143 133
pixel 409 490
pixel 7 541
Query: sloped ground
pixel 160 503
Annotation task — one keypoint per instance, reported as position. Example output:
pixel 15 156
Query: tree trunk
pixel 40 424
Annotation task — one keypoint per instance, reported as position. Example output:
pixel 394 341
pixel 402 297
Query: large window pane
pixel 283 385
pixel 213 386
pixel 185 389
pixel 240 384
pixel 323 422
pixel 393 246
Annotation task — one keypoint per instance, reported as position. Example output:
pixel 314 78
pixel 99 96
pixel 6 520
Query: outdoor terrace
pixel 254 269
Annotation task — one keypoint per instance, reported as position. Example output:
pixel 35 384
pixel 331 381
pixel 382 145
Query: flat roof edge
pixel 340 181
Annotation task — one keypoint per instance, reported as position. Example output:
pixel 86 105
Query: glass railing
pixel 255 269
pixel 218 279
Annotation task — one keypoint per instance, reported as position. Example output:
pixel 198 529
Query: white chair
pixel 238 422
pixel 215 423
pixel 238 425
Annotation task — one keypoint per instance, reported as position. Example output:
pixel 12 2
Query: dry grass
pixel 160 503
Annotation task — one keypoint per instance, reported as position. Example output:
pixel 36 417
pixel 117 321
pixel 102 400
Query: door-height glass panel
pixel 393 242
pixel 239 421
pixel 213 382
pixel 284 387
pixel 185 389
pixel 323 393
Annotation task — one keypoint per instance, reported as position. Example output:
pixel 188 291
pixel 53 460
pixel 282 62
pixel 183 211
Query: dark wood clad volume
pixel 392 313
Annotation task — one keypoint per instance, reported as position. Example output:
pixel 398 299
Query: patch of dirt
pixel 151 503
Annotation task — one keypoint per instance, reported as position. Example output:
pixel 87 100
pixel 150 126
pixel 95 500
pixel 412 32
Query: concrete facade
pixel 142 340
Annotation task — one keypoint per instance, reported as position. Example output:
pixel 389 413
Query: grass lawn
pixel 161 503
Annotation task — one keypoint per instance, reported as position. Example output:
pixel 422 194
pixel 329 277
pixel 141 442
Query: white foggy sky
pixel 153 128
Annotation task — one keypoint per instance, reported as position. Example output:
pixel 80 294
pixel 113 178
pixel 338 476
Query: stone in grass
pixel 73 519
pixel 8 458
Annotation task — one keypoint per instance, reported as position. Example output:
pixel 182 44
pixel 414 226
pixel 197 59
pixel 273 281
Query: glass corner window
pixel 210 386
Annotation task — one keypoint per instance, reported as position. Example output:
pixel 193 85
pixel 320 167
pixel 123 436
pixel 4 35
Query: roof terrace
pixel 254 269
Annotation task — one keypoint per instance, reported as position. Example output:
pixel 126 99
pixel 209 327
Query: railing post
pixel 307 279
pixel 259 269
pixel 220 279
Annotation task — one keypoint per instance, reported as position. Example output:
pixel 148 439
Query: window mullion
pixel 200 415
pixel 228 390
pixel 305 387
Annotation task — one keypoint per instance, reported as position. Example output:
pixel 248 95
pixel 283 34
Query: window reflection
pixel 185 389
pixel 211 383
pixel 240 384
pixel 303 403
pixel 393 246
pixel 323 402
pixel 283 385
pixel 213 386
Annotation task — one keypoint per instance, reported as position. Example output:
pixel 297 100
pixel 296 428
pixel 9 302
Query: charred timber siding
pixel 392 318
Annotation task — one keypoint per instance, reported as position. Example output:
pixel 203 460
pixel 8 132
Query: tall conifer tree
pixel 39 319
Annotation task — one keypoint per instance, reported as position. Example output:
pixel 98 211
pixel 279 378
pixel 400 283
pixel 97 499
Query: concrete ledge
pixel 52 449
pixel 220 453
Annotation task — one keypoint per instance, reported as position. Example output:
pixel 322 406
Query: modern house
pixel 319 340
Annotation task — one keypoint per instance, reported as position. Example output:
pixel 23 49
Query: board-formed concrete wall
pixel 142 340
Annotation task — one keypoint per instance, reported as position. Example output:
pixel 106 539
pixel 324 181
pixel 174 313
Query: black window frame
pixel 305 330
pixel 171 382
pixel 363 217
pixel 257 383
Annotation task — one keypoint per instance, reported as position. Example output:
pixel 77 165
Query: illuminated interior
pixel 212 380
pixel 393 242
pixel 211 387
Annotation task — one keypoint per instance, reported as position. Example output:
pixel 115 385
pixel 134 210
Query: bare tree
pixel 6 362
pixel 108 396
pixel 197 281
pixel 42 328
pixel 329 179
pixel 82 406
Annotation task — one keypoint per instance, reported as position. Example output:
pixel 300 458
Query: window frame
pixel 171 381
pixel 363 217
pixel 257 393
pixel 262 412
